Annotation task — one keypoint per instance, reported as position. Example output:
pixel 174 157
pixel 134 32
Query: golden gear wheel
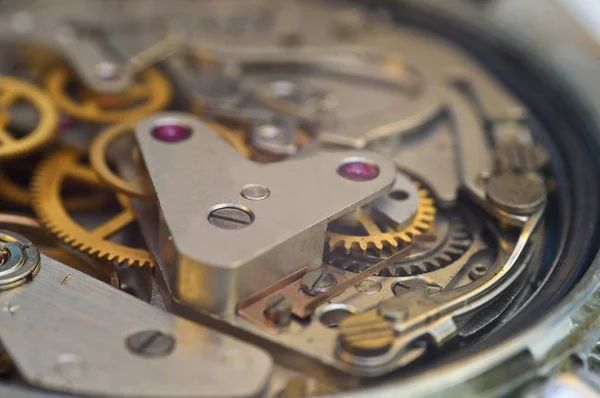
pixel 152 93
pixel 376 239
pixel 13 90
pixel 15 194
pixel 48 205
pixel 138 188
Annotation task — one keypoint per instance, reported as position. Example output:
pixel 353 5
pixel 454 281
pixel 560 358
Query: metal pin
pixel 66 279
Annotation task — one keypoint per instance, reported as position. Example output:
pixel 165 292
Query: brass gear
pixel 16 194
pixel 449 240
pixel 376 239
pixel 136 188
pixel 50 210
pixel 152 93
pixel 11 91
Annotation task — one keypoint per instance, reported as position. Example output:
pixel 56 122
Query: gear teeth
pixel 432 265
pixel 363 246
pixel 45 130
pixel 393 239
pixel 455 243
pixel 392 243
pixel 48 206
pixel 445 258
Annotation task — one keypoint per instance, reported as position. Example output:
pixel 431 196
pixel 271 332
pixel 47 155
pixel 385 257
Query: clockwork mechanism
pixel 268 198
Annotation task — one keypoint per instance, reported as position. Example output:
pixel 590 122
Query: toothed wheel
pixel 151 93
pixel 16 192
pixel 13 146
pixel 446 243
pixel 368 234
pixel 47 201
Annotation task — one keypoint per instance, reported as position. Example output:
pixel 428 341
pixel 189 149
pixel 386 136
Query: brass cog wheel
pixel 390 238
pixel 151 93
pixel 18 194
pixel 13 90
pixel 49 207
pixel 449 240
pixel 13 193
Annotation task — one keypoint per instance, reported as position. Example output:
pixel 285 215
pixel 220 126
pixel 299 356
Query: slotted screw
pixel 318 281
pixel 151 343
pixel 230 217
pixel 366 335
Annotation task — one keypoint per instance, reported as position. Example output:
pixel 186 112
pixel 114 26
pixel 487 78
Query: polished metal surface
pixel 286 232
pixel 51 26
pixel 339 198
pixel 64 334
pixel 519 194
pixel 19 260
pixel 401 204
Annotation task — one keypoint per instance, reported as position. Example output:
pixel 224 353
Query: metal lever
pixel 230 227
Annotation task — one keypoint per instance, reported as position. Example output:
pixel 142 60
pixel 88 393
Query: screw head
pixel 279 310
pixel 318 281
pixel 358 170
pixel 516 193
pixel 151 343
pixel 230 217
pixel 366 335
pixel 171 132
pixel 255 192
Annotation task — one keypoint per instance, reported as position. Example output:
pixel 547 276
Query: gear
pixel 13 91
pixel 378 237
pixel 17 193
pixel 152 93
pixel 447 242
pixel 49 207
pixel 98 161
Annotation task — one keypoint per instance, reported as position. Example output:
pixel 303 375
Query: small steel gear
pixel 378 237
pixel 446 243
pixel 12 91
pixel 151 93
pixel 49 207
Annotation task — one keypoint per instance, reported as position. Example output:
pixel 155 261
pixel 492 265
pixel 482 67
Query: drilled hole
pixel 399 195
pixel 333 314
